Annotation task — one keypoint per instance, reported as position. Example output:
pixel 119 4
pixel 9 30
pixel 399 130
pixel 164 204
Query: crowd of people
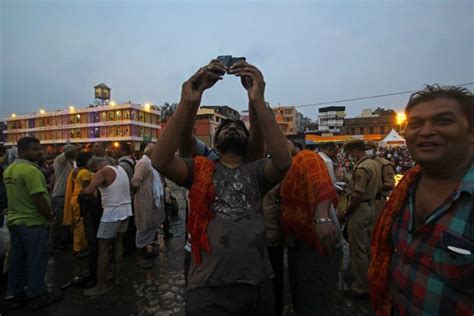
pixel 256 195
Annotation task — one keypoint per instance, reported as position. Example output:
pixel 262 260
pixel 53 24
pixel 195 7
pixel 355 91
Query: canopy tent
pixel 392 139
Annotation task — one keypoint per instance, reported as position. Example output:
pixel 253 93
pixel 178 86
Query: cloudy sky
pixel 53 53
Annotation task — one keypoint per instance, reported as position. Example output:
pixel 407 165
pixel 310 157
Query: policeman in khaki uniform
pixel 387 180
pixel 361 213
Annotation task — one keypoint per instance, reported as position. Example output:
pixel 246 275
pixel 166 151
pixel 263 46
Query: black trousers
pixel 91 210
pixel 276 259
pixel 238 300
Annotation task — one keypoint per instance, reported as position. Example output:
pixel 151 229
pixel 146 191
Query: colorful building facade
pixel 113 122
pixel 289 119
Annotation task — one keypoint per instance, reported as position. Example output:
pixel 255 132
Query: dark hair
pixel 103 145
pixel 225 122
pixel 328 146
pixel 142 146
pixel 126 147
pixel 355 144
pixel 296 144
pixel 82 158
pixel 24 142
pixel 432 92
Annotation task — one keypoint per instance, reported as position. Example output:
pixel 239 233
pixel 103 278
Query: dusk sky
pixel 53 53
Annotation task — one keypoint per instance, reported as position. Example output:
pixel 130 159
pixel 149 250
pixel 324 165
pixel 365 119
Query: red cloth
pixel 201 195
pixel 381 248
pixel 306 184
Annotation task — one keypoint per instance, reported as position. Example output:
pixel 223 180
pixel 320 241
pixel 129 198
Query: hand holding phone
pixel 229 61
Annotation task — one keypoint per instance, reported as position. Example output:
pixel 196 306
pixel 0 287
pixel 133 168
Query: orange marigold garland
pixel 201 195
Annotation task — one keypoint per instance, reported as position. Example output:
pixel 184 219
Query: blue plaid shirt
pixel 432 268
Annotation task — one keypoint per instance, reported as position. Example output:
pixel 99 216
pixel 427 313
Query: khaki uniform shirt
pixel 366 178
pixel 388 175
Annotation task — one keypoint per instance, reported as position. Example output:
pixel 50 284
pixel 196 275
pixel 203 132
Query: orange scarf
pixel 306 184
pixel 381 248
pixel 201 195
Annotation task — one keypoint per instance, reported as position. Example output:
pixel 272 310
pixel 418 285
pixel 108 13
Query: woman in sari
pixel 78 179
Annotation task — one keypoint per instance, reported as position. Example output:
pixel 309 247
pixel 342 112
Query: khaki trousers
pixel 359 230
pixel 379 205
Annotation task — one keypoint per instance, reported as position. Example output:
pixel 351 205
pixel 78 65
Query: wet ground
pixel 157 291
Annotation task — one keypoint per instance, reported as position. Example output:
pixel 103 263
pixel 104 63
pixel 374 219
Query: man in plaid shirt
pixel 430 216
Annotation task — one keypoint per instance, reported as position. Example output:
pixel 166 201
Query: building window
pixel 103 116
pixel 126 114
pixel 382 130
pixel 371 130
pixel 111 116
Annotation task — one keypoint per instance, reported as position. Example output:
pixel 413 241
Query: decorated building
pixel 105 121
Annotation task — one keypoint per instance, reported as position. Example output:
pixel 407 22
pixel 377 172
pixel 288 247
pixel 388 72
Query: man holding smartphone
pixel 230 270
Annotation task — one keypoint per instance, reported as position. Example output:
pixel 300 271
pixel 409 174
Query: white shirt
pixel 116 199
pixel 329 165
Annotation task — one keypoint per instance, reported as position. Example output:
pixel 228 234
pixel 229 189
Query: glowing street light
pixel 42 111
pixel 401 119
pixel 147 106
pixel 71 108
pixel 112 103
pixel 13 115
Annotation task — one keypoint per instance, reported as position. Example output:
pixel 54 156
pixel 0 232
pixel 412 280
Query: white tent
pixel 392 139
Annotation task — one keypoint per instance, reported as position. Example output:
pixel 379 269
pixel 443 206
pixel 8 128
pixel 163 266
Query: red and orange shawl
pixel 306 184
pixel 201 195
pixel 381 248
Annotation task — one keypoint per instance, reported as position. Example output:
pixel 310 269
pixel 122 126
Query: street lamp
pixel 401 119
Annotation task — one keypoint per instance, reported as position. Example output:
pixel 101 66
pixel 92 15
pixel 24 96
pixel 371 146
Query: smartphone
pixel 225 59
pixel 228 60
pixel 237 60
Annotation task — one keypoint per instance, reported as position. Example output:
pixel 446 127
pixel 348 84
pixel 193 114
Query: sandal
pixel 94 291
pixel 145 263
pixel 44 300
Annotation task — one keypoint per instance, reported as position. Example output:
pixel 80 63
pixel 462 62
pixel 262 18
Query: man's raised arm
pixel 163 157
pixel 273 137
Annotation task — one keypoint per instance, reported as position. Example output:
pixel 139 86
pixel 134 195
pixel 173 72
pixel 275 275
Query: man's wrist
pixel 260 102
pixel 188 104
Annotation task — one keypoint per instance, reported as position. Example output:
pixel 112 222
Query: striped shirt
pixel 432 269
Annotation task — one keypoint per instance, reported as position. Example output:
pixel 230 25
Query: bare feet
pixel 98 290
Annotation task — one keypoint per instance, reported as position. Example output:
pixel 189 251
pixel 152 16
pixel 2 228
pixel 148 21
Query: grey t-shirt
pixel 237 232
pixel 62 167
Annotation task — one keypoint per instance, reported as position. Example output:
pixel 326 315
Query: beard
pixel 234 145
